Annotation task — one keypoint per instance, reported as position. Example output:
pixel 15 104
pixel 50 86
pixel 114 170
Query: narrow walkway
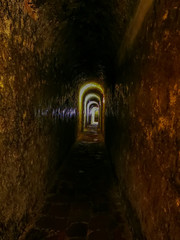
pixel 83 208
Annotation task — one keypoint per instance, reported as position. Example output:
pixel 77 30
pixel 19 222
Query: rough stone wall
pixel 143 133
pixel 30 145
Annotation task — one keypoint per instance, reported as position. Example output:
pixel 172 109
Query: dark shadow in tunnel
pixel 117 140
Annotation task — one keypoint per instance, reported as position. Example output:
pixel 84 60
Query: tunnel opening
pixel 87 112
pixel 93 116
pixel 91 107
pixel 90 112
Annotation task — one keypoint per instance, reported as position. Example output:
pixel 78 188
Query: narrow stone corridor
pixel 90 119
pixel 82 206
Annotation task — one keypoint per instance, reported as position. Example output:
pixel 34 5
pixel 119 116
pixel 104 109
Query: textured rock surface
pixel 85 177
pixel 145 105
pixel 30 144
pixel 47 49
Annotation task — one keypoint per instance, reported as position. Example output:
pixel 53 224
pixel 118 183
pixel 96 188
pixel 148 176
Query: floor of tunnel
pixel 82 207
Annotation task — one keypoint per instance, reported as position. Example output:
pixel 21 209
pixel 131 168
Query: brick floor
pixel 77 230
pixel 82 207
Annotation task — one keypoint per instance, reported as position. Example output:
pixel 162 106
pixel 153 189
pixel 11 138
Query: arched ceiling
pixel 84 36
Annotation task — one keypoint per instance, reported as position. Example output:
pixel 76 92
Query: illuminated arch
pixel 90 103
pixel 93 112
pixel 89 86
pixel 88 97
pixel 90 91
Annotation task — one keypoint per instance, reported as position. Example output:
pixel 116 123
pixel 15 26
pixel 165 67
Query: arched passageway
pixel 93 113
pixel 126 56
pixel 91 107
pixel 94 116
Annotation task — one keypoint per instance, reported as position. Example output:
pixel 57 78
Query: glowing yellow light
pixel 94 112
pixel 88 107
pixel 87 98
pixel 89 87
pixel 91 103
pixel 90 96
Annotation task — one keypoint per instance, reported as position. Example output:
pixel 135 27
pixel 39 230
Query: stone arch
pixel 91 92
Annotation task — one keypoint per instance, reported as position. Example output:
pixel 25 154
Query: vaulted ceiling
pixel 84 36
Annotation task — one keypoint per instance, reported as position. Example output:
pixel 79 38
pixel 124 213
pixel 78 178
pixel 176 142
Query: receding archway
pixel 91 106
pixel 87 100
pixel 94 115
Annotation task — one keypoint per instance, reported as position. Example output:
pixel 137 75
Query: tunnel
pixel 89 120
pixel 91 106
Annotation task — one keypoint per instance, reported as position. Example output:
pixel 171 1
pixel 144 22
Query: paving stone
pixel 100 201
pixel 77 230
pixel 101 222
pixel 80 212
pixel 58 236
pixel 54 238
pixel 53 223
pixel 36 235
pixel 59 210
pixel 101 206
pixel 77 238
pixel 82 205
pixel 99 235
pixel 83 197
pixel 118 234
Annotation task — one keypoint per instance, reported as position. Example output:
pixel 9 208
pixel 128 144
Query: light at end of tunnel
pixel 89 86
pixel 95 115
pixel 90 96
pixel 85 88
pixel 91 89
